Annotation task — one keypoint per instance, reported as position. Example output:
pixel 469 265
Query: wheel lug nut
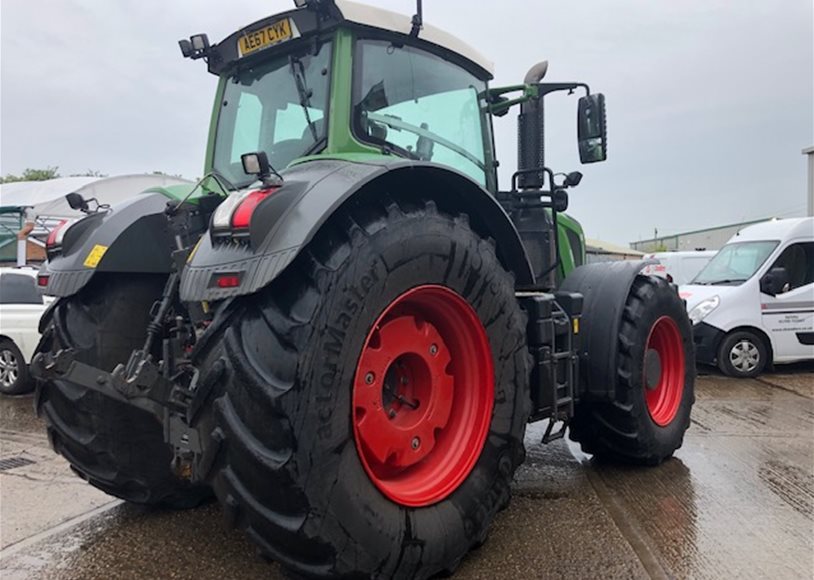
pixel 392 413
pixel 434 349
pixel 404 380
pixel 416 443
pixel 369 378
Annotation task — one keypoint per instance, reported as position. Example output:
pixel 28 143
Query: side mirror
pixel 76 201
pixel 592 130
pixel 775 281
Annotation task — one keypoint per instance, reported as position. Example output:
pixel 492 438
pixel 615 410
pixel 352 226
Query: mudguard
pixel 131 237
pixel 287 220
pixel 605 288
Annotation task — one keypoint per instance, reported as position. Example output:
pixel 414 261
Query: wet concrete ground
pixel 736 501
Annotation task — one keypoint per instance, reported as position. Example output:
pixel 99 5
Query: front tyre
pixel 376 397
pixel 654 382
pixel 742 355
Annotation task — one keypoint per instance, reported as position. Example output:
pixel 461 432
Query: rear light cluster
pixel 57 234
pixel 234 215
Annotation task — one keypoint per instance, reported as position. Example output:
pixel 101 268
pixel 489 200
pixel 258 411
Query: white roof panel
pixel 776 229
pixel 387 20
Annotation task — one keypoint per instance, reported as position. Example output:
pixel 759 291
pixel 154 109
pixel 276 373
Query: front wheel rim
pixel 744 356
pixel 664 396
pixel 8 368
pixel 423 395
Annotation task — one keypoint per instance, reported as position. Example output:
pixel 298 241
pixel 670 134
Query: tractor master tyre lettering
pixel 375 399
pixel 14 379
pixel 114 446
pixel 742 355
pixel 654 382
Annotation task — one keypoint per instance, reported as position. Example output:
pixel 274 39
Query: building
pixel 600 251
pixel 706 239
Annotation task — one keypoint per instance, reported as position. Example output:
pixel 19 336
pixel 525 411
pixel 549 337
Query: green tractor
pixel 344 328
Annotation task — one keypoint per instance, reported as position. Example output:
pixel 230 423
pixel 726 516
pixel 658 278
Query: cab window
pixel 277 106
pixel 798 260
pixel 419 106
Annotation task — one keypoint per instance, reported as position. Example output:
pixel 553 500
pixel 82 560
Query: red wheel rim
pixel 663 392
pixel 423 395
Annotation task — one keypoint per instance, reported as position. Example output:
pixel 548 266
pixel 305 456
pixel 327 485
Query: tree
pixel 32 175
pixel 89 173
pixel 178 175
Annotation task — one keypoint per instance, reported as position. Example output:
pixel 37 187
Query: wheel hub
pixel 423 395
pixel 744 356
pixel 410 398
pixel 652 368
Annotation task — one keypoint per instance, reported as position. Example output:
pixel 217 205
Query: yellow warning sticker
pixel 95 256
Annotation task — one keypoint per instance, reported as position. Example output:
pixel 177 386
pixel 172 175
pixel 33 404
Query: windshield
pixel 735 263
pixel 420 106
pixel 278 107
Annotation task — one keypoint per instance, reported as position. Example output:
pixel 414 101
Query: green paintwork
pixel 340 136
pixel 567 261
pixel 502 107
pixel 213 125
pixel 176 192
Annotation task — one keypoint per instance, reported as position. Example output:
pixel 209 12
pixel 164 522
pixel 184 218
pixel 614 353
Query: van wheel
pixel 743 354
pixel 13 370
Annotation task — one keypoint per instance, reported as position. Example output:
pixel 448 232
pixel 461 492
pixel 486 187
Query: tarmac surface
pixel 736 501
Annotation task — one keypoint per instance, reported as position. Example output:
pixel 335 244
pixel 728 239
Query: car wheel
pixel 13 370
pixel 743 354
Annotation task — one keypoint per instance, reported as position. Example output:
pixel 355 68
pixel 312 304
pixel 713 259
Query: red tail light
pixel 227 280
pixel 56 234
pixel 243 213
pixel 42 280
pixel 235 213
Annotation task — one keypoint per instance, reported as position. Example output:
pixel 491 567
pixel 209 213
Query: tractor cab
pixel 346 80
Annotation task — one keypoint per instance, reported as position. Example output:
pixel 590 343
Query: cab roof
pixel 776 229
pixel 374 17
pixel 308 21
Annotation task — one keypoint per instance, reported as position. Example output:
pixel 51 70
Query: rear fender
pixel 131 237
pixel 287 220
pixel 605 288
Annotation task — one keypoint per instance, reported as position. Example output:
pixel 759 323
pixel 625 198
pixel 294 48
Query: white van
pixel 753 304
pixel 677 267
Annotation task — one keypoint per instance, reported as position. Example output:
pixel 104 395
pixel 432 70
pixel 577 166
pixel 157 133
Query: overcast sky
pixel 710 102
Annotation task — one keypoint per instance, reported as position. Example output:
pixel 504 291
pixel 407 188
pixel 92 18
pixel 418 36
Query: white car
pixel 678 267
pixel 753 304
pixel 21 307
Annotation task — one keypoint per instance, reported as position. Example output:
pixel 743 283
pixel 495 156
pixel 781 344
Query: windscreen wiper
pixel 298 70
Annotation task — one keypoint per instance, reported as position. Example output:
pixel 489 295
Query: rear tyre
pixel 113 446
pixel 742 355
pixel 376 397
pixel 654 383
pixel 14 379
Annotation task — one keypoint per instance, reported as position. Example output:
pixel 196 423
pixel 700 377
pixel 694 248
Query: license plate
pixel 265 37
